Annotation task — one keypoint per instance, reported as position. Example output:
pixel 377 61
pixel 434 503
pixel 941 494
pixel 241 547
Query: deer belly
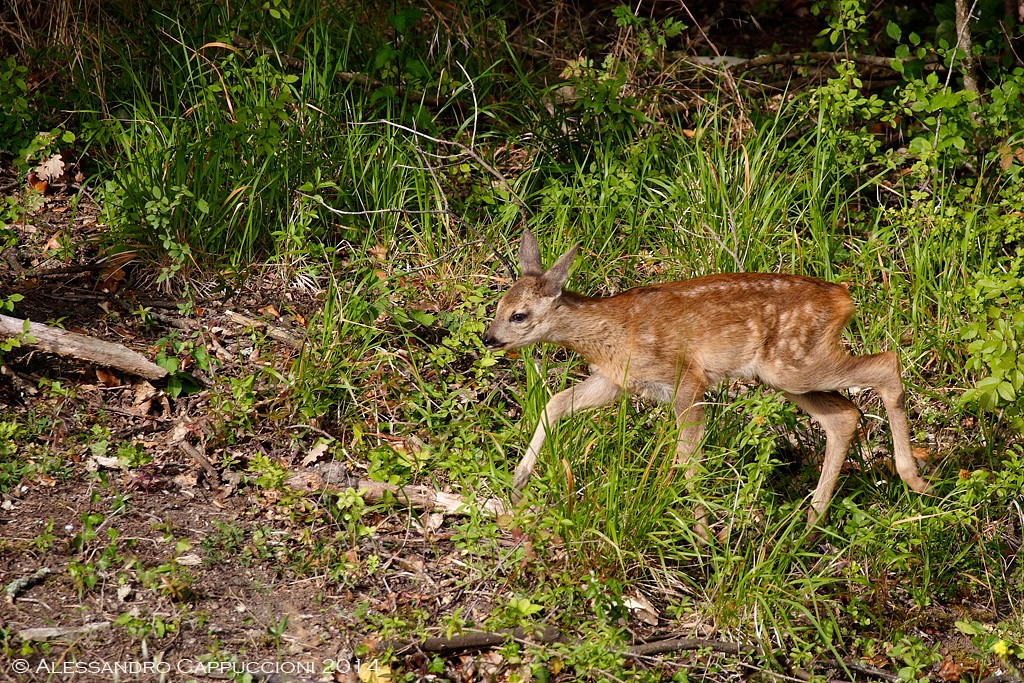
pixel 659 392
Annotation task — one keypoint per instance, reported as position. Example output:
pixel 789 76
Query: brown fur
pixel 671 342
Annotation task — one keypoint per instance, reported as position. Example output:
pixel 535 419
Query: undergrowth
pixel 390 165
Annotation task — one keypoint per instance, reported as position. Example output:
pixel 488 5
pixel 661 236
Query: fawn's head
pixel 522 316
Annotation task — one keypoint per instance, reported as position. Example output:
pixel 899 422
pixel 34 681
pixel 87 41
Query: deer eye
pixel 517 318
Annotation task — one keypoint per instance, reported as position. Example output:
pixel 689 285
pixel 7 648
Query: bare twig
pixel 858 668
pixel 370 212
pixel 65 270
pixel 329 477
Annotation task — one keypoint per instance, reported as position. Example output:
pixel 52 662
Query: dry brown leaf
pixel 641 608
pixel 37 183
pixel 379 252
pixel 190 560
pixel 314 454
pixel 879 661
pixel 270 310
pixel 144 391
pixel 950 671
pixel 410 564
pixel 110 279
pixel 921 454
pixel 186 480
pixel 1007 155
pixel 52 244
pixel 52 168
pixel 107 378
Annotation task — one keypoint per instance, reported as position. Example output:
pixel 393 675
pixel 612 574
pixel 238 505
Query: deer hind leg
pixel 590 393
pixel 881 371
pixel 838 417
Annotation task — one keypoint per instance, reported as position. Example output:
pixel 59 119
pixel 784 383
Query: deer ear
pixel 556 275
pixel 529 255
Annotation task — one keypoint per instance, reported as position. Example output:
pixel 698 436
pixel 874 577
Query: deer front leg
pixel 590 393
pixel 690 420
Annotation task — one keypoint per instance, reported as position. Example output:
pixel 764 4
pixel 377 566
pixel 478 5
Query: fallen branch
pixel 477 640
pixel 327 478
pixel 62 271
pixel 679 644
pixel 423 498
pixel 274 333
pixel 64 343
pixel 47 633
pixel 18 585
pixel 857 668
pixel 879 61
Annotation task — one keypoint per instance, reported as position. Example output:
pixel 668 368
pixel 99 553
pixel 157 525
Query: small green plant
pixel 176 355
pixel 914 657
pixel 133 455
pixel 138 627
pixel 44 540
pixel 7 303
pixel 160 214
pixel 349 508
pixel 846 21
pixel 44 145
pixel 16 115
pixel 88 568
pixel 170 579
pixel 227 541
pixel 13 342
pixel 266 473
pixel 995 344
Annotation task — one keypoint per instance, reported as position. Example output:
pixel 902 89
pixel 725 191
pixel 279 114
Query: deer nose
pixel 490 342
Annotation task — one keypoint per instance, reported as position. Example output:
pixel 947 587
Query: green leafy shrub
pixel 996 344
pixel 16 115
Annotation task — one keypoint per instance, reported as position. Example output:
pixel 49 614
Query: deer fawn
pixel 670 342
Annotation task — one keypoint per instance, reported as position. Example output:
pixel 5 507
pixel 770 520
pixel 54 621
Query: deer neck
pixel 582 324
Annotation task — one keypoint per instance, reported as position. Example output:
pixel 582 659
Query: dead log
pixel 331 478
pixel 63 343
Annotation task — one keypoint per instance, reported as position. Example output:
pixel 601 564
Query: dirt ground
pixel 152 569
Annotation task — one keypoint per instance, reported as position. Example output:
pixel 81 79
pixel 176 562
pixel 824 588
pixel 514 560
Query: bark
pixel 64 343
pixel 963 40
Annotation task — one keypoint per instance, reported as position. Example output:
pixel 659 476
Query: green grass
pixel 354 187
